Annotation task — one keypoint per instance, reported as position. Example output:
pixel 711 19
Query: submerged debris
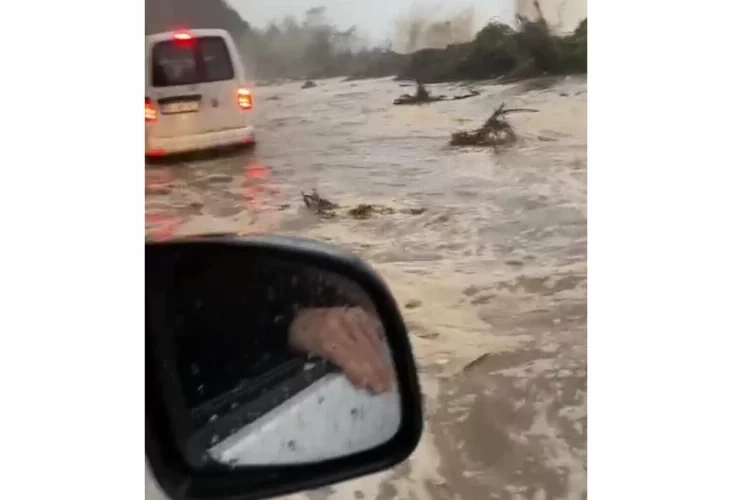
pixel 423 96
pixel 496 131
pixel 475 362
pixel 472 93
pixel 309 84
pixel 410 99
pixel 365 211
pixel 326 208
pixel 319 205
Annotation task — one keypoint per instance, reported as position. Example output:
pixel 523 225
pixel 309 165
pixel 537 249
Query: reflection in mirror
pixel 273 361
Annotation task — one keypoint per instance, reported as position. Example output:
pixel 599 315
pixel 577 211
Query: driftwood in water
pixel 472 93
pixel 423 97
pixel 309 84
pixel 328 209
pixel 318 204
pixel 366 210
pixel 496 131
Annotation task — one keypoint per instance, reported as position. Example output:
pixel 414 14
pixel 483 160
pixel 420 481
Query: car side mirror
pixel 273 365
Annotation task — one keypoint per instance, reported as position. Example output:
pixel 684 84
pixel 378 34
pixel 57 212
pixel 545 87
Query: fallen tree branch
pixel 516 110
pixel 472 93
pixel 328 209
pixel 319 205
pixel 496 130
pixel 422 96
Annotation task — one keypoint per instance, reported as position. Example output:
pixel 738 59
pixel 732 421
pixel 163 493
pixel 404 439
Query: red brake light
pixel 245 98
pixel 182 35
pixel 150 111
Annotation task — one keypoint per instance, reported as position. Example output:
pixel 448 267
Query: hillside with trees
pixel 313 47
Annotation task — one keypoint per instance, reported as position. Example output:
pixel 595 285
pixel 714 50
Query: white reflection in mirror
pixel 330 418
pixel 278 362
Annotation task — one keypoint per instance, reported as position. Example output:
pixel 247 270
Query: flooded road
pixel 485 250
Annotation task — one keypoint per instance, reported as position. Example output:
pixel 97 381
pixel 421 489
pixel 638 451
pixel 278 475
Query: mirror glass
pixel 266 360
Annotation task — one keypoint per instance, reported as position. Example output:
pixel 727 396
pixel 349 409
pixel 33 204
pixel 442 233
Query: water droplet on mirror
pixel 213 417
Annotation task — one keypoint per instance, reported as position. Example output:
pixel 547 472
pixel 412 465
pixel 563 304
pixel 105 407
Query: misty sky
pixel 374 17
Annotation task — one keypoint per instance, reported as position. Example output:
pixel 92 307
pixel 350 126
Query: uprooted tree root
pixel 496 131
pixel 327 209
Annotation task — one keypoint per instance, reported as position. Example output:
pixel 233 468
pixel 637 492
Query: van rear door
pixel 194 86
pixel 223 83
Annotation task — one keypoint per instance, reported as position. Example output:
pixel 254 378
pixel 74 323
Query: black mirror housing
pixel 181 479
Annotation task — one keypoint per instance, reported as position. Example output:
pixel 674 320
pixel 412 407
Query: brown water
pixel 493 269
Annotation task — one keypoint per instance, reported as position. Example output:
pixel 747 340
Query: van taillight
pixel 245 99
pixel 150 111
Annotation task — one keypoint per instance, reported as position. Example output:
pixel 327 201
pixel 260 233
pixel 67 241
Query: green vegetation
pixel 290 49
pixel 313 48
pixel 500 51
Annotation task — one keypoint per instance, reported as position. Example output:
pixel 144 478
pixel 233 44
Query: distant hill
pixel 166 15
pixel 310 48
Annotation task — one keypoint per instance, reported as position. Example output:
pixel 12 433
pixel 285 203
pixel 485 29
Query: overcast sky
pixel 374 17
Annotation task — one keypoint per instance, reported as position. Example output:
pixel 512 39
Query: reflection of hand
pixel 348 337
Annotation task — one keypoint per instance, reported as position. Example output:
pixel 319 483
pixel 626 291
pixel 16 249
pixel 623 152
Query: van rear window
pixel 186 62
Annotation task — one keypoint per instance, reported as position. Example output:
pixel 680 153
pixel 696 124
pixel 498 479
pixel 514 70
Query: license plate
pixel 180 107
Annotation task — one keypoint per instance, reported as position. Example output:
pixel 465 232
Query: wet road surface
pixel 485 250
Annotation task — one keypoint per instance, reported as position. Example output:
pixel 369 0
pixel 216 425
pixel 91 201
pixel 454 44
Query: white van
pixel 196 94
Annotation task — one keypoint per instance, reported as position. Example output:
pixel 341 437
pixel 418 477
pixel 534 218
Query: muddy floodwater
pixel 485 251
